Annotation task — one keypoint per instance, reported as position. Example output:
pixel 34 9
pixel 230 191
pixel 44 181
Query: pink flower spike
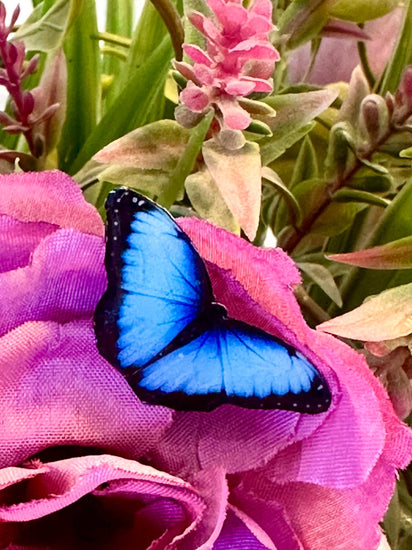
pixel 238 60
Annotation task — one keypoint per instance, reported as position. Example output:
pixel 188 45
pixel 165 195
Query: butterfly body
pixel 159 323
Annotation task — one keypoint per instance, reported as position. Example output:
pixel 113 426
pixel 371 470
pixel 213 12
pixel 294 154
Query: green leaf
pixel 145 158
pixel 306 165
pixel 303 20
pixel 394 255
pixel 336 218
pixel 132 107
pixel 186 162
pixel 295 212
pixel 119 17
pixel 406 153
pixel 83 90
pixel 206 199
pixel 395 224
pixel 354 195
pixel 321 276
pixel 237 175
pixel 294 113
pixel 367 180
pixel 45 31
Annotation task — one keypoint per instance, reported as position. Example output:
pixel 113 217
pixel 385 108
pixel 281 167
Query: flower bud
pixel 403 98
pixel 374 118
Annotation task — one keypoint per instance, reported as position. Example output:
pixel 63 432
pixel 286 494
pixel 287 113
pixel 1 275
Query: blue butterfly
pixel 159 324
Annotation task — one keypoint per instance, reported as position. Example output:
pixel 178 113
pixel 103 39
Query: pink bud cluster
pixel 12 74
pixel 239 60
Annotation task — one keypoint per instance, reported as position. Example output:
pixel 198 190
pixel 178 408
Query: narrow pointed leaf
pixel 295 212
pixel 186 162
pixel 83 90
pixel 394 255
pixel 131 108
pixel 396 223
pixel 320 275
pixel 294 113
pixel 354 195
pixel 306 166
pixel 119 18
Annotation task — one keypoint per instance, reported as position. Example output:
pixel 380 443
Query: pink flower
pixel 239 61
pixel 83 463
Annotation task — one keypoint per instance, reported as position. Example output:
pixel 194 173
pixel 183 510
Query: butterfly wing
pixel 158 323
pixel 157 283
pixel 232 363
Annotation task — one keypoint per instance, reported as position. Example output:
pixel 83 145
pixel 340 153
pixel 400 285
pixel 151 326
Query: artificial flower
pixel 84 463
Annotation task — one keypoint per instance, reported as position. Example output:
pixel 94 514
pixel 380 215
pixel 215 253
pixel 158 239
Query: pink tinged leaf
pixel 259 84
pixel 385 316
pixel 15 128
pixel 394 255
pixel 6 119
pixel 185 69
pixel 237 175
pixel 194 98
pixel 31 66
pixel 234 116
pixel 14 17
pixel 197 54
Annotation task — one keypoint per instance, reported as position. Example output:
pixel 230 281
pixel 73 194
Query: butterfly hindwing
pixel 159 324
pixel 232 363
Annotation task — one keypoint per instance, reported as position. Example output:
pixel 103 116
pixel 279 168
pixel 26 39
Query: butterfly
pixel 160 325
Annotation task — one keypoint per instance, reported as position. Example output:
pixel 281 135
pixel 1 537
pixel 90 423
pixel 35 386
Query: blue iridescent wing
pixel 159 324
pixel 157 283
pixel 232 362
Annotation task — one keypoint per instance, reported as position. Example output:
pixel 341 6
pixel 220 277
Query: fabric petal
pixel 56 390
pixel 63 280
pixel 48 197
pixel 106 479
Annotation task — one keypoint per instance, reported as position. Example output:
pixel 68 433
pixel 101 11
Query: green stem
pixel 113 39
pixel 365 64
pixel 172 20
pixel 292 236
pixel 309 306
